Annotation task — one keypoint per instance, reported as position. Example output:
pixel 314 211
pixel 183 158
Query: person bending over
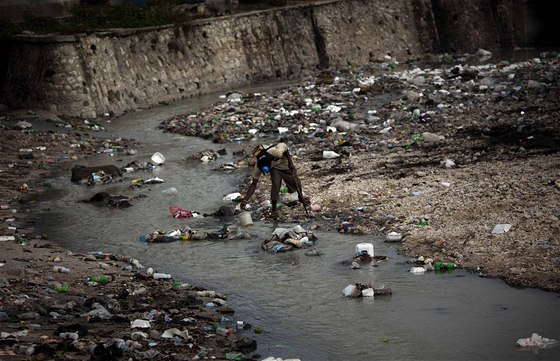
pixel 277 161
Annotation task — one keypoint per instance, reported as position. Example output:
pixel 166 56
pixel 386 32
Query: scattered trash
pixel 172 332
pixel 154 180
pixel 501 228
pixel 360 290
pixel 140 324
pixel 448 163
pixel 364 247
pixel 284 239
pixel 245 219
pixel 158 158
pixel 94 280
pixel 346 227
pixel 417 270
pixel 170 236
pixel 537 341
pixel 7 238
pixel 329 154
pixel 158 276
pixel 178 212
pixel 170 191
pixel 61 269
pixel 393 237
pixel 232 197
pixel 96 175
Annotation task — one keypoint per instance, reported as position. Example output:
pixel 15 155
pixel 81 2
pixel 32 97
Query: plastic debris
pixel 501 228
pixel 140 324
pixel 537 341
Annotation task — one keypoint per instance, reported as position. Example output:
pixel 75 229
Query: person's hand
pixel 304 200
pixel 242 198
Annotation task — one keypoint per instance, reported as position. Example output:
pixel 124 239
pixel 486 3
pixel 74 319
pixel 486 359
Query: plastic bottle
pixel 444 265
pixel 158 276
pixel 284 190
pixel 206 293
pixel 329 154
pixel 61 269
pixel 226 321
pixel 136 263
pixel 100 279
pixel 223 331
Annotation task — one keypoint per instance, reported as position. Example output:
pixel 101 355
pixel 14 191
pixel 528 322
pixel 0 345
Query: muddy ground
pixel 440 154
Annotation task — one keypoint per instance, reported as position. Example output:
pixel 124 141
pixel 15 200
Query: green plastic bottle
pixel 100 279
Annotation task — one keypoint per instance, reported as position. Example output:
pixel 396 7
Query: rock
pixel 536 85
pixel 483 53
pixel 22 124
pixel 28 316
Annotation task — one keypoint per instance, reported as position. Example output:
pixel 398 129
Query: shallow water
pixel 296 299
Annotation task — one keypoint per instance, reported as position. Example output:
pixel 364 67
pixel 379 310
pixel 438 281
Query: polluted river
pixel 295 299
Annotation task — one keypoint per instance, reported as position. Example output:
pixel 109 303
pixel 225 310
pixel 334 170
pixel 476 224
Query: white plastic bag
pixel 537 341
pixel 368 292
pixel 349 290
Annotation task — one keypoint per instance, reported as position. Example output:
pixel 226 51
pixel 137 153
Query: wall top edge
pixel 57 38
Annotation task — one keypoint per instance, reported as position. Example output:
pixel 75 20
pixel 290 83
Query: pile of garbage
pixel 287 239
pixel 536 341
pixel 188 234
pixel 72 319
pixel 208 155
pixel 423 264
pixel 115 201
pixel 369 290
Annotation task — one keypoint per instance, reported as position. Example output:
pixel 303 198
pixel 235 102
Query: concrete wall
pixel 121 70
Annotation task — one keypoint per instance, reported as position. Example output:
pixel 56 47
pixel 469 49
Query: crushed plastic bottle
pixel 61 269
pixel 100 279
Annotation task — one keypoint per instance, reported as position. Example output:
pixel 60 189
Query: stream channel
pixel 297 300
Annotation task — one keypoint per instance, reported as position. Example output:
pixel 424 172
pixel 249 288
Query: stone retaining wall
pixel 116 71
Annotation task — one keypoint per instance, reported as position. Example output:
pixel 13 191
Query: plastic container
pixel 417 270
pixel 393 237
pixel 329 154
pixel 158 158
pixel 444 265
pixel 223 331
pixel 349 290
pixel 61 269
pixel 100 279
pixel 368 247
pixel 245 219
pixel 158 276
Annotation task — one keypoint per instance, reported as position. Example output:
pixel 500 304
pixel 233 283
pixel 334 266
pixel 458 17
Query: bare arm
pixel 250 191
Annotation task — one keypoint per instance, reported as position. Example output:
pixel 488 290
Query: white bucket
pixel 245 219
pixel 365 247
pixel 158 158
